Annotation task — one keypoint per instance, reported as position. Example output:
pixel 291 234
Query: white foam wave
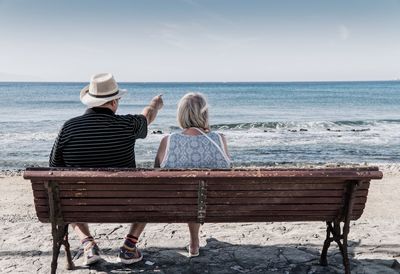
pixel 28 136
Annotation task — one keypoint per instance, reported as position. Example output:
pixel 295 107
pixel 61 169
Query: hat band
pixel 104 96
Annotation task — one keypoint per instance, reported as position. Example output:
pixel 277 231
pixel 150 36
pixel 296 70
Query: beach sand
pixel 374 240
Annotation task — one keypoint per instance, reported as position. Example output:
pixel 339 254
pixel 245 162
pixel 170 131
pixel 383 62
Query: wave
pixel 327 125
pixel 27 136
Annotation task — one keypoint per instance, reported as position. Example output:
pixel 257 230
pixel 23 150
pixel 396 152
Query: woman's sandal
pixel 191 254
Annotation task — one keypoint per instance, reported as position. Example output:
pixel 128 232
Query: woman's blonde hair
pixel 193 111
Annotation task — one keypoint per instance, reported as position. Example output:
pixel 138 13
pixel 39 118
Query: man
pixel 100 138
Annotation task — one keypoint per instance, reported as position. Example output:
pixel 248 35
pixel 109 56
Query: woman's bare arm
pixel 225 146
pixel 161 152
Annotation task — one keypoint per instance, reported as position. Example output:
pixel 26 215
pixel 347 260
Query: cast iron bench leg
pixel 56 251
pixel 340 235
pixel 70 264
pixel 323 260
pixel 60 237
pixel 334 233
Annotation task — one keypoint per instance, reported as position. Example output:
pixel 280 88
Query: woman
pixel 195 147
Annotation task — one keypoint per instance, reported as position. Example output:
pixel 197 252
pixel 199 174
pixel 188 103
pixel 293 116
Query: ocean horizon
pixel 205 82
pixel 265 123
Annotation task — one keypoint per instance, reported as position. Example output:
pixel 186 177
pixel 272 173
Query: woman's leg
pixel 194 229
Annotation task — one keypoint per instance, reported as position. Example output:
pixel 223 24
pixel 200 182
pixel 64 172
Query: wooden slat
pixel 211 181
pixel 271 193
pixel 190 218
pixel 365 173
pixel 302 200
pixel 194 187
pixel 210 201
pixel 121 181
pixel 303 207
pixel 277 180
pixel 127 216
pixel 122 187
pixel 274 213
pixel 121 194
pixel 130 215
pixel 210 209
pixel 122 219
pixel 280 186
pixel 269 213
pixel 155 215
pixel 246 219
pixel 218 219
pixel 159 192
pixel 124 208
pixel 192 194
pixel 281 193
pixel 130 201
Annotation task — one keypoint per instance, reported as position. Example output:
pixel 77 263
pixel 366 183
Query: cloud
pixel 174 35
pixel 344 32
pixel 191 3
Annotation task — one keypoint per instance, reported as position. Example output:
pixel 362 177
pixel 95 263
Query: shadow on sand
pixel 223 257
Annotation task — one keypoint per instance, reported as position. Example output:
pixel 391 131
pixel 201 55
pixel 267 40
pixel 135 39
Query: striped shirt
pixel 98 138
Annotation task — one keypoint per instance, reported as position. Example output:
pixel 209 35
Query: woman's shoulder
pixel 217 134
pixel 172 137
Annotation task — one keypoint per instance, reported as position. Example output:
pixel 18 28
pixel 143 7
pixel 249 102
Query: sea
pixel 266 124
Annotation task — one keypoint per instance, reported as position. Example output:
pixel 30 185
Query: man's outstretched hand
pixel 157 102
pixel 152 109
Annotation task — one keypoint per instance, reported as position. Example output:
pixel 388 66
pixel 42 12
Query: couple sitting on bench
pixel 100 138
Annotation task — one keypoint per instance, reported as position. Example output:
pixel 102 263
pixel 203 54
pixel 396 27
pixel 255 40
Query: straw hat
pixel 102 89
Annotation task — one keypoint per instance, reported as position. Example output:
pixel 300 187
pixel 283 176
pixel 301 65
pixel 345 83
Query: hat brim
pixel 91 101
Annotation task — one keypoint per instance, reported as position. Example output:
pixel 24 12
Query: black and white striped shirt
pixel 99 138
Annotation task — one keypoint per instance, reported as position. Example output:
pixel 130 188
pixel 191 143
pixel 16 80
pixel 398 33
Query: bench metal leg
pixel 334 234
pixel 56 252
pixel 346 229
pixel 60 237
pixel 69 264
pixel 59 229
pixel 338 235
pixel 323 260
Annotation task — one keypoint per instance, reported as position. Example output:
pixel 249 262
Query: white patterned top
pixel 198 151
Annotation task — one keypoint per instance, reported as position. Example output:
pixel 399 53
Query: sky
pixel 200 41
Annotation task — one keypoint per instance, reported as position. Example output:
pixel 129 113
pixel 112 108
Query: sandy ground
pixel 374 241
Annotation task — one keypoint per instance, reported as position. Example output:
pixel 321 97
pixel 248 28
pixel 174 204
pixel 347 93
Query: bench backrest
pixel 250 195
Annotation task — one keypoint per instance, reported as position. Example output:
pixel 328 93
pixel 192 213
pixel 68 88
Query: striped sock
pixel 130 240
pixel 87 239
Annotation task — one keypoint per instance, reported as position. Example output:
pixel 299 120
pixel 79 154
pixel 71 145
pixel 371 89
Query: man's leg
pixel 194 246
pixel 90 249
pixel 137 229
pixel 82 230
pixel 129 253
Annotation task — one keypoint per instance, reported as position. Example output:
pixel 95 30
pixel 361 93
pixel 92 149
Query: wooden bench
pixel 332 195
